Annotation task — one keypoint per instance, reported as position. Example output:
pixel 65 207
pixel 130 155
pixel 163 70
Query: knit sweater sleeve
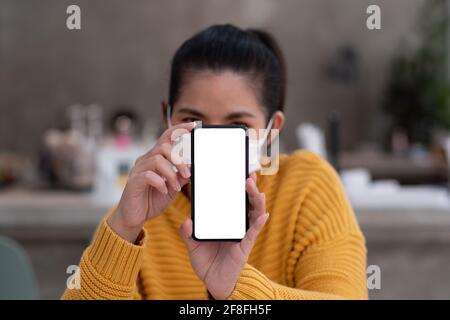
pixel 329 272
pixel 328 257
pixel 108 268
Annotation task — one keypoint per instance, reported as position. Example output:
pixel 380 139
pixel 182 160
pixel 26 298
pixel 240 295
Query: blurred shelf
pixel 21 207
pixel 31 214
pixel 399 225
pixel 405 170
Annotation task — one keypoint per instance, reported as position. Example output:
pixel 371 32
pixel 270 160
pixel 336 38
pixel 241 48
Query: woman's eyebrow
pixel 191 112
pixel 240 114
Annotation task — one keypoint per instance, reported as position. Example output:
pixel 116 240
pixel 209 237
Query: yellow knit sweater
pixel 310 248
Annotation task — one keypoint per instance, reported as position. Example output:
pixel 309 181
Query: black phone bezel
pixel 193 178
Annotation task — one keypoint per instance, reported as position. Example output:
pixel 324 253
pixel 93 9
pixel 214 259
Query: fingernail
pixel 175 185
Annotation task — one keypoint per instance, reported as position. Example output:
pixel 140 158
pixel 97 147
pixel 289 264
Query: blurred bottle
pixel 68 158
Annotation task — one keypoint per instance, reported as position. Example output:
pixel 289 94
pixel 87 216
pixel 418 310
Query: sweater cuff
pixel 252 285
pixel 115 258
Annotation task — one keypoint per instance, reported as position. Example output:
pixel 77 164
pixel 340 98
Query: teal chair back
pixel 17 280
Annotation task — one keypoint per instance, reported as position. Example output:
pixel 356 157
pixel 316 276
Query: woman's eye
pixel 190 119
pixel 241 124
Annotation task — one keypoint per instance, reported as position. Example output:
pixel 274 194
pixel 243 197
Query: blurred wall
pixel 122 54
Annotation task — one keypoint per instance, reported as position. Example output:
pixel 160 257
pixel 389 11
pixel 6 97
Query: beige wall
pixel 122 55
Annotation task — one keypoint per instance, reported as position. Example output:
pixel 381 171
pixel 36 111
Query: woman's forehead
pixel 221 93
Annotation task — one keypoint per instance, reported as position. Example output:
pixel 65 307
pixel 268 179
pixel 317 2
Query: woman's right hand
pixel 152 184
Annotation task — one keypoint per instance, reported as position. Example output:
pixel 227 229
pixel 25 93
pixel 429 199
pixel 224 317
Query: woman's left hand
pixel 219 264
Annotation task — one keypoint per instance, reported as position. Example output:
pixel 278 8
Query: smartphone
pixel 219 169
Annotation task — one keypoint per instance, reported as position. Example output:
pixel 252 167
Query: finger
pixel 251 187
pixel 253 176
pixel 168 136
pixel 259 207
pixel 181 181
pixel 166 149
pixel 256 199
pixel 186 235
pixel 163 167
pixel 174 132
pixel 146 179
pixel 252 191
pixel 248 241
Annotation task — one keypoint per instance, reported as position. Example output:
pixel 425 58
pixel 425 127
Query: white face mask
pixel 254 145
pixel 255 148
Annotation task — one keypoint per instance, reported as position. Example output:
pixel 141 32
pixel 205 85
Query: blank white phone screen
pixel 219 183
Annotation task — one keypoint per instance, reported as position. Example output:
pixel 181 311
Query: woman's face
pixel 221 98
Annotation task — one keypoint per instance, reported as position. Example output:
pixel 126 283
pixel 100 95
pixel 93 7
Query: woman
pixel 311 247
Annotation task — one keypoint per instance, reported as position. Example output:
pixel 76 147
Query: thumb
pixel 250 237
pixel 186 235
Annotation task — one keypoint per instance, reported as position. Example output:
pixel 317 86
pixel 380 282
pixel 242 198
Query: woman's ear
pixel 278 120
pixel 277 123
pixel 164 108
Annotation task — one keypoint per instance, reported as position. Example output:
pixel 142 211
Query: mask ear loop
pixel 266 133
pixel 263 141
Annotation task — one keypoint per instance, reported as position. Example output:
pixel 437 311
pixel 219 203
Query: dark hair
pixel 226 47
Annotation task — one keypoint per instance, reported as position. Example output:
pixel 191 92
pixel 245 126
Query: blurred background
pixel 78 106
